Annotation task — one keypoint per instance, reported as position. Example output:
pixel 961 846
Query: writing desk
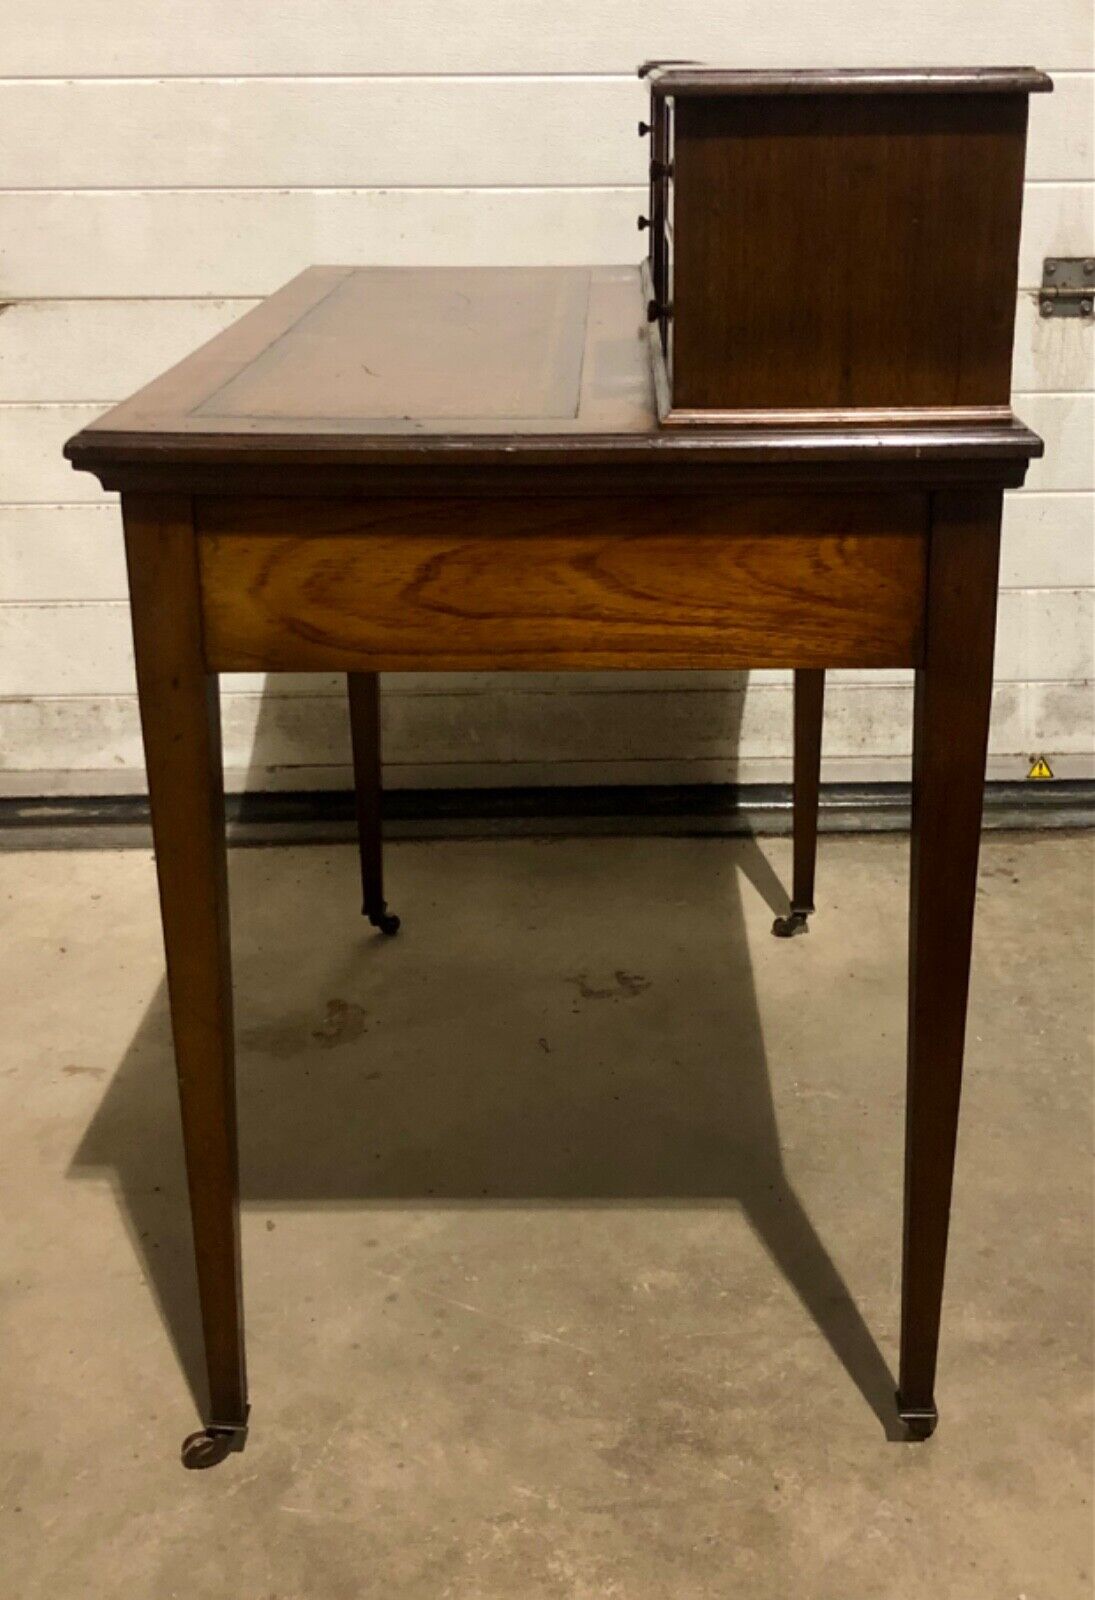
pixel 435 470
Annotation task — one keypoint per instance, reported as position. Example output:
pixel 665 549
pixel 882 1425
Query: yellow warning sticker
pixel 1040 769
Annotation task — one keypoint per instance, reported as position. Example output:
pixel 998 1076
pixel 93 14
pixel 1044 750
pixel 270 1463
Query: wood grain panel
pixel 478 585
pixel 875 265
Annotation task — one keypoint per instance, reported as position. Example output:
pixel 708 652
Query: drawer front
pixel 562 584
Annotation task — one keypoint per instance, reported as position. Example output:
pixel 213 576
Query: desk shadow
pixel 437 1105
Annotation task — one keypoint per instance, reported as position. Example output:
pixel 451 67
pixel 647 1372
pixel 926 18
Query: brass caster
pixel 795 922
pixel 211 1445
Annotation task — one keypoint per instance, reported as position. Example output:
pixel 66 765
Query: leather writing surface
pixel 441 343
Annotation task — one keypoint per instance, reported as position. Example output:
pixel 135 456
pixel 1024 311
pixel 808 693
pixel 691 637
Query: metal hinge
pixel 1068 286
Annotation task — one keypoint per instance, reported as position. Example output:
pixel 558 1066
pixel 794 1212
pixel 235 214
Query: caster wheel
pixel 210 1445
pixel 385 920
pixel 794 922
pixel 205 1449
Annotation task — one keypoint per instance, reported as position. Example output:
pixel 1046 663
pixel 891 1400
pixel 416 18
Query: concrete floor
pixel 570 1238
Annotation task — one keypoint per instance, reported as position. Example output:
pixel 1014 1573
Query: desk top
pixel 389 368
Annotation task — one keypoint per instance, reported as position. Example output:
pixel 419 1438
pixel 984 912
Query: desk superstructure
pixel 835 246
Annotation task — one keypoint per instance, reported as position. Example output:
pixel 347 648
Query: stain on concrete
pixel 625 986
pixel 343 1023
pixel 632 983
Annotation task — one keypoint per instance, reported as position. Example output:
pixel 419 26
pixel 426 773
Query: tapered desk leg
pixel 364 692
pixel 809 705
pixel 181 726
pixel 950 733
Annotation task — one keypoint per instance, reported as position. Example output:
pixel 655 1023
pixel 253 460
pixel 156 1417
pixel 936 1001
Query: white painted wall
pixel 161 164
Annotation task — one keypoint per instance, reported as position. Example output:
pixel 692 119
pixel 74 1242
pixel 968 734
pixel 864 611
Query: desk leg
pixel 364 692
pixel 950 735
pixel 180 722
pixel 809 705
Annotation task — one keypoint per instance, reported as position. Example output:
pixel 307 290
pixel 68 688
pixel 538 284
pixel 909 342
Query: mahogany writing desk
pixel 384 470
